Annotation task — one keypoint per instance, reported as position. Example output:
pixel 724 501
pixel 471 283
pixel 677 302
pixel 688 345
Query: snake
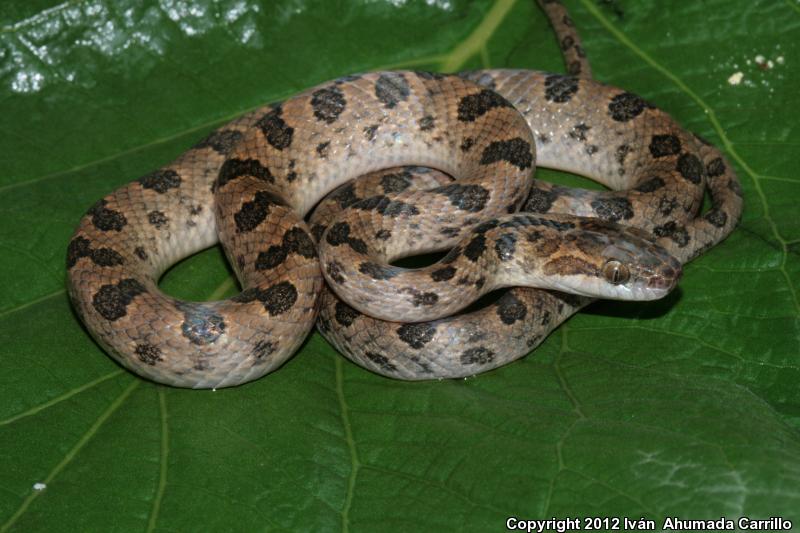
pixel 251 183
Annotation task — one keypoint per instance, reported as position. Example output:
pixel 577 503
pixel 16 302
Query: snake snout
pixel 663 278
pixel 667 276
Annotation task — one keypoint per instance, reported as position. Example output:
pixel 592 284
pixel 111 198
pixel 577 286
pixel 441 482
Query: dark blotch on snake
pixel 667 204
pixel 201 325
pixel 560 88
pixel 263 349
pixel 443 274
pixel 626 106
pixel 370 132
pixel 221 141
pixel 81 247
pixel 345 315
pixel 277 299
pixel 716 217
pixel 317 230
pixel 533 341
pixel 386 206
pixel 665 230
pixel 471 198
pixel 473 106
pixel 416 335
pixel 381 360
pixel 140 252
pixel 397 182
pixel 505 246
pixel 424 298
pixel 157 219
pixel 236 168
pixel 273 257
pixel 358 245
pixel 345 196
pixel 477 356
pixel 483 227
pixel 466 144
pixel 295 240
pixel 678 234
pixel 338 234
pixel 112 300
pixel 427 123
pixel 383 234
pixel 376 271
pixel 578 131
pixel 322 149
pixel 148 354
pixel 253 213
pixel 691 168
pixel 664 145
pixel 328 103
pixel 540 200
pixel 651 185
pixel 106 257
pixel 391 88
pixel 275 129
pixel 613 209
pixel 716 168
pixel 510 309
pixel 161 181
pixel 515 151
pixel 106 219
pixel 475 248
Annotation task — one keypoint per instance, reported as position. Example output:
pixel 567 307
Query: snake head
pixel 606 260
pixel 633 266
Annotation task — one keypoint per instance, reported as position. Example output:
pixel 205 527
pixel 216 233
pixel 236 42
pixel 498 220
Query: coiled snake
pixel 251 182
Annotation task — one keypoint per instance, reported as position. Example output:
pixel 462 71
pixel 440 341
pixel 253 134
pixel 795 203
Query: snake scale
pixel 251 183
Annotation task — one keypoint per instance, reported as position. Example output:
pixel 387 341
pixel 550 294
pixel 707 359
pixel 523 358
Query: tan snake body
pixel 658 197
pixel 270 167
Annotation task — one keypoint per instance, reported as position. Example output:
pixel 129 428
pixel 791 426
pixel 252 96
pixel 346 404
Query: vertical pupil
pixel 615 276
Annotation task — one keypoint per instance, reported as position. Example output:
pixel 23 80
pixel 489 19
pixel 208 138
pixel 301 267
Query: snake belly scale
pixel 251 182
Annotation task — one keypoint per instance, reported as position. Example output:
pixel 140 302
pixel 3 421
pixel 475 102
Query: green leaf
pixel 686 407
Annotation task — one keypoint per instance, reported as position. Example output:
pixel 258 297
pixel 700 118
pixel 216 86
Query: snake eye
pixel 615 272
